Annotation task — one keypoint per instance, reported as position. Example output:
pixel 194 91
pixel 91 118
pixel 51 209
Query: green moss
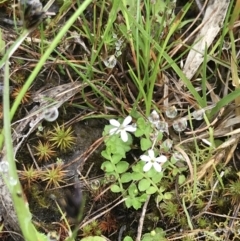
pixel 62 137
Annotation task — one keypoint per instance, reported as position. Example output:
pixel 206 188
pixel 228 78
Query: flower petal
pixel 145 158
pixel 130 128
pixel 161 158
pixel 151 154
pixel 113 131
pixel 127 121
pixel 124 136
pixel 157 167
pixel 147 166
pixel 114 123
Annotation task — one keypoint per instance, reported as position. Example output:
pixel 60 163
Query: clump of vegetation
pixel 108 224
pixel 234 191
pixel 171 96
pixel 44 151
pixel 25 99
pixel 29 175
pixel 91 229
pixel 19 77
pixel 54 176
pixel 62 137
pixel 37 195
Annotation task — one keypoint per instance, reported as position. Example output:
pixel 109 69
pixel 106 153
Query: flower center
pixel 121 128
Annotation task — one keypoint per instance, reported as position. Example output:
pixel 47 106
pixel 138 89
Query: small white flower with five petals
pixel 151 160
pixel 122 128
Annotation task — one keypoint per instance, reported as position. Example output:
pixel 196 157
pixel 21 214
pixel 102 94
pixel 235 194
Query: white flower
pixel 122 128
pixel 151 160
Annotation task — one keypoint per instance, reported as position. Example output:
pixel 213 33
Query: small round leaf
pixel 122 166
pixel 143 185
pixel 151 190
pixel 115 188
pixel 107 166
pixel 126 177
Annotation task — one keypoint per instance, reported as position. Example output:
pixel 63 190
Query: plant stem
pixel 11 178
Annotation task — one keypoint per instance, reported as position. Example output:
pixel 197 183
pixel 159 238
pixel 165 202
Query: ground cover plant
pixel 120 120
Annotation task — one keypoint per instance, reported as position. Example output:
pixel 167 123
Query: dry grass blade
pixel 186 158
pixel 212 22
pixel 208 167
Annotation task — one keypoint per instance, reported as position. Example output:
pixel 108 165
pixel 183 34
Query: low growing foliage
pixel 136 179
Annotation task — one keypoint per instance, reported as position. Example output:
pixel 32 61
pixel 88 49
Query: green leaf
pixel 225 101
pixel 162 189
pixel 143 198
pixel 151 173
pixel 106 130
pixel 126 177
pixel 128 202
pixel 115 145
pixel 122 166
pixel 132 9
pixel 139 133
pixel 106 155
pixel 136 203
pixel 137 176
pixel 115 188
pixel 143 185
pixel 116 158
pixel 132 190
pixel 154 235
pixel 145 144
pixel 141 126
pixel 160 136
pixel 151 190
pixel 167 195
pixel 148 130
pixel 135 114
pixel 157 178
pixel 127 238
pixel 181 179
pixel 107 166
pixel 159 198
pixel 138 167
pixel 175 171
pixel 93 238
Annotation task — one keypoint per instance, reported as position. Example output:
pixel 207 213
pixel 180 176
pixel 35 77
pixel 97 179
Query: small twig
pixel 91 215
pixel 31 154
pixel 200 6
pixel 186 158
pixel 84 178
pixel 102 213
pixel 141 220
pixel 122 229
pixel 101 194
